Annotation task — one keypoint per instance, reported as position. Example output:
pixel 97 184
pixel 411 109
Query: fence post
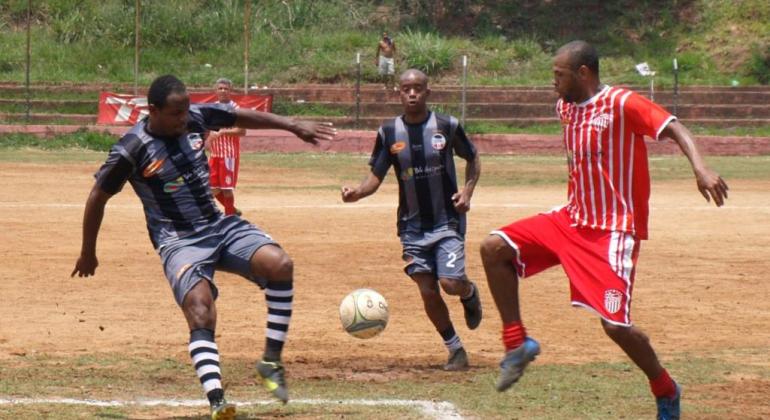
pixel 137 40
pixel 465 82
pixel 29 58
pixel 358 89
pixel 676 86
pixel 246 34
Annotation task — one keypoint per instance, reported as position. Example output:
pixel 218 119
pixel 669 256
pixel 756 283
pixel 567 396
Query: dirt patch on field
pixel 701 283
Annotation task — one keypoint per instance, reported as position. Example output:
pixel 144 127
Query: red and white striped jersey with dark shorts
pixel 226 145
pixel 609 181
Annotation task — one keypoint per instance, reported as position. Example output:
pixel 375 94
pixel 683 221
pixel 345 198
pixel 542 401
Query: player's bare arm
pixel 710 184
pixel 234 130
pixel 308 131
pixel 462 198
pixel 368 187
pixel 92 221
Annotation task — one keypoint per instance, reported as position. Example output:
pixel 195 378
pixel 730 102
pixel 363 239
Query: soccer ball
pixel 364 313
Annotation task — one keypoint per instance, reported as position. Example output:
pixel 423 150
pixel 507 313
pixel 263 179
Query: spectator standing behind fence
pixel 386 60
pixel 224 148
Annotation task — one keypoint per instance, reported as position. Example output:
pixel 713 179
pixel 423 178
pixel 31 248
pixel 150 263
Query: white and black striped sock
pixel 279 296
pixel 451 339
pixel 205 358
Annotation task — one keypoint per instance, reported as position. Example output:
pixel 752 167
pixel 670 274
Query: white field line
pixel 22 204
pixel 441 410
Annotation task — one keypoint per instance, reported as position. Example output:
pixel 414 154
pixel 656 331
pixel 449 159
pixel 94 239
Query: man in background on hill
pixel 386 60
pixel 224 146
pixel 420 145
pixel 596 236
pixel 162 158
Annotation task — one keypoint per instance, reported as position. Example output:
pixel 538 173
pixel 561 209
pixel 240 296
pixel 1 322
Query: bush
pixel 759 64
pixel 427 52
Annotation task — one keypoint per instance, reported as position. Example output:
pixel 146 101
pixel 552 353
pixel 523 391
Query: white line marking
pixel 441 410
pixel 361 206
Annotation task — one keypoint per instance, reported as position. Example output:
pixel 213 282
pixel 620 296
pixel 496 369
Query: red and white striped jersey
pixel 609 180
pixel 227 145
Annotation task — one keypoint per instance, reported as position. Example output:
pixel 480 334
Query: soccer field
pixel 115 345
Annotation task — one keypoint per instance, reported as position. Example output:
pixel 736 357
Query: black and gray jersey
pixel 169 175
pixel 422 156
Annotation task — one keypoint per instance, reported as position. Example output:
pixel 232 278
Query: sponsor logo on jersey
pixel 601 122
pixel 438 141
pixel 406 174
pixel 155 167
pixel 173 186
pixel 397 147
pixel 196 141
pixel 612 300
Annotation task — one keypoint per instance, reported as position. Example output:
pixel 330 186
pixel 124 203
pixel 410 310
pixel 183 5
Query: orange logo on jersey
pixel 156 166
pixel 397 147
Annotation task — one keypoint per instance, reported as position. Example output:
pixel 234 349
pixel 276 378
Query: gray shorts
pixel 227 245
pixel 441 253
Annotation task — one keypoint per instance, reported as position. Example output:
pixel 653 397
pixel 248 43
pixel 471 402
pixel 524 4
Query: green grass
pixel 82 139
pixel 587 390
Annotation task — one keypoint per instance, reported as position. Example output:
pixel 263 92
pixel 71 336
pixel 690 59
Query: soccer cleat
pixel 668 408
pixel 515 361
pixel 458 360
pixel 272 374
pixel 222 410
pixel 472 308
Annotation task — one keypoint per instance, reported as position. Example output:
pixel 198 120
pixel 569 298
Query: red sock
pixel 514 334
pixel 663 386
pixel 229 203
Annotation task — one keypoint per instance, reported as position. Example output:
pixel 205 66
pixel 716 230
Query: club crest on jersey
pixel 155 167
pixel 397 147
pixel 612 300
pixel 601 122
pixel 196 141
pixel 406 174
pixel 438 141
pixel 173 186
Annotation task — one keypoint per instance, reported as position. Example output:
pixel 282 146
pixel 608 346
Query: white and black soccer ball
pixel 364 313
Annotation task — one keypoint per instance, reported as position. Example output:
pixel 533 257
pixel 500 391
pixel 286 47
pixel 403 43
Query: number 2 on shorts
pixel 452 258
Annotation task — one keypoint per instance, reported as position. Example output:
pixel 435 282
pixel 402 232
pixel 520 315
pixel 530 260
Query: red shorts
pixel 600 264
pixel 223 172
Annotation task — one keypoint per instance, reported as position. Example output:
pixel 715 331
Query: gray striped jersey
pixel 422 159
pixel 170 175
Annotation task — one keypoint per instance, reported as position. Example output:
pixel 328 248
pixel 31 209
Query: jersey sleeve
pixel 646 117
pixel 213 116
pixel 463 146
pixel 116 170
pixel 380 159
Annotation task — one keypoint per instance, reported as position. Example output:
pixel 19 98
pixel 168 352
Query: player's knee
pixel 283 269
pixel 429 292
pixel 452 286
pixel 199 310
pixel 493 250
pixel 615 332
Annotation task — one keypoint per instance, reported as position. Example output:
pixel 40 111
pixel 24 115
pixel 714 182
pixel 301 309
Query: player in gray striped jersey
pixel 163 159
pixel 420 145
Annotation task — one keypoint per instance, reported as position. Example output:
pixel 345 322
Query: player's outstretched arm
pixel 462 198
pixel 368 187
pixel 92 221
pixel 308 131
pixel 710 184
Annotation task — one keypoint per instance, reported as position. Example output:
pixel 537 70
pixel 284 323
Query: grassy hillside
pixel 508 43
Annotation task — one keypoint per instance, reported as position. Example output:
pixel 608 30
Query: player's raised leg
pixel 636 345
pixel 201 314
pixel 438 313
pixel 272 263
pixel 497 256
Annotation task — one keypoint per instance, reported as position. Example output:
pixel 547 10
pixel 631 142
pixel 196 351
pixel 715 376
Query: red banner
pixel 118 109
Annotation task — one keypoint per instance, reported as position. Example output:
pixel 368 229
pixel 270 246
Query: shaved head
pixel 580 53
pixel 413 75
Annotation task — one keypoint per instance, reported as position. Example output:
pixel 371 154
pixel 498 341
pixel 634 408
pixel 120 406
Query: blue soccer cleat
pixel 668 408
pixel 515 361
